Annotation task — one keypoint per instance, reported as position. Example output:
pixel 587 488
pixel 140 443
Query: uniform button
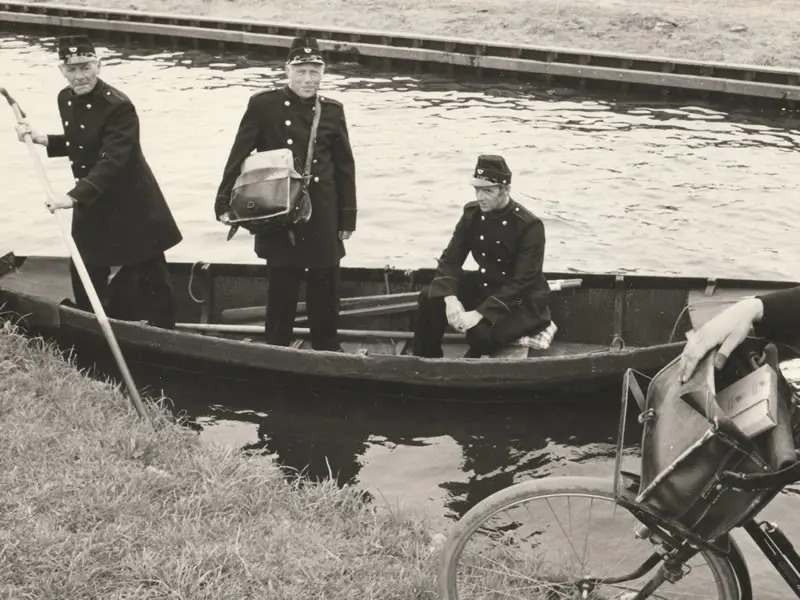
pixel 316 179
pixel 498 260
pixel 69 102
pixel 80 147
pixel 481 237
pixel 88 106
pixel 497 242
pixel 517 209
pixel 505 222
pixel 314 161
pixel 485 285
pixel 288 122
pixel 290 142
pixel 483 253
pixel 287 103
pixel 82 127
pixel 66 123
pixel 76 179
pixel 67 144
pixel 483 218
pixel 504 272
pixel 483 270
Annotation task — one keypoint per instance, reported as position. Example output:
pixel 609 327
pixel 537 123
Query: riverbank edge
pixel 94 502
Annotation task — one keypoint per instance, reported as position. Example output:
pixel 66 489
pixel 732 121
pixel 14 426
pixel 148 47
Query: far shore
pixel 757 32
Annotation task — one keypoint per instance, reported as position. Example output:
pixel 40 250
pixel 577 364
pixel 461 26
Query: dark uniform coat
pixel 277 119
pixel 781 319
pixel 508 246
pixel 121 216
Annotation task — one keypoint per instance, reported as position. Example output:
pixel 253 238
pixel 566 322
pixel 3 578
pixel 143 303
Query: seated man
pixel 508 296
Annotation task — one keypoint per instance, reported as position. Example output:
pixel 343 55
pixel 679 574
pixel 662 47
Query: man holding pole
pixel 120 217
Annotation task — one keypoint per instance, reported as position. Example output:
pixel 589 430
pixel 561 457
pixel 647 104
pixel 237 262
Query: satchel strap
pixel 313 139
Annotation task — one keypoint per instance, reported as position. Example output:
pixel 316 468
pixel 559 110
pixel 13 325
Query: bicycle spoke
pixel 528 550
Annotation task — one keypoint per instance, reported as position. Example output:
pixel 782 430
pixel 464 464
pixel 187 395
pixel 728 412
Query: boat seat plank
pixel 560 348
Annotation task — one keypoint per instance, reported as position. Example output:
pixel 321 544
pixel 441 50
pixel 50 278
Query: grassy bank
pixel 762 32
pixel 94 504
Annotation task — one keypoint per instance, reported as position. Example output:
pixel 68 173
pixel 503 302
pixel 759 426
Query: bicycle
pixel 673 562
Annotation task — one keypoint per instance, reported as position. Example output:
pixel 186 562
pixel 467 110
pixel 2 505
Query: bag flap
pixel 269 159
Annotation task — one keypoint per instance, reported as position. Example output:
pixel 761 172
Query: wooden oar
pixel 555 285
pixel 373 311
pixel 81 267
pixel 253 313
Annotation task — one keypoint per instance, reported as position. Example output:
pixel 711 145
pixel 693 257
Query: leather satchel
pixel 688 441
pixel 269 194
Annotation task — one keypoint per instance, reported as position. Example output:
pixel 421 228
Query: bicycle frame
pixel 778 550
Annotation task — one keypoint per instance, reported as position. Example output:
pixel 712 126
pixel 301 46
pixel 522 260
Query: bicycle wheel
pixel 479 560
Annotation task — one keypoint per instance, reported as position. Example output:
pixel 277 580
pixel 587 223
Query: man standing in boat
pixel 508 296
pixel 282 118
pixel 120 217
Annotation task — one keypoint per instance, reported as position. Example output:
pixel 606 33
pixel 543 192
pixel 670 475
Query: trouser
pixel 138 292
pixel 485 338
pixel 322 302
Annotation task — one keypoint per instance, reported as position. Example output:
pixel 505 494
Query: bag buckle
pixel 647 415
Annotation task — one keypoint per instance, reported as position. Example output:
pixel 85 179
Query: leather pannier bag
pixel 688 441
pixel 269 194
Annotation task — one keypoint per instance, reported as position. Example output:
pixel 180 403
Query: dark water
pixel 657 188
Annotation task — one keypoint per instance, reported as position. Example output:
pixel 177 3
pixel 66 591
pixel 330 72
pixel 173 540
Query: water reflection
pixel 441 457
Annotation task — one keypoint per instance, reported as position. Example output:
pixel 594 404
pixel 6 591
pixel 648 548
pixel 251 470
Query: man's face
pixel 304 79
pixel 81 76
pixel 490 197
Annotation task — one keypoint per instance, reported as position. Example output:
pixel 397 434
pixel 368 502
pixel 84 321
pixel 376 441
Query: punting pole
pixel 102 319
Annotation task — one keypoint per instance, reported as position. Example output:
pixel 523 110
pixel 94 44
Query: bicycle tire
pixel 723 571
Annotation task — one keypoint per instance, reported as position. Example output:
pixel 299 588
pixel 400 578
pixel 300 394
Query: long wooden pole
pixel 359 303
pixel 305 331
pixel 555 285
pixel 81 268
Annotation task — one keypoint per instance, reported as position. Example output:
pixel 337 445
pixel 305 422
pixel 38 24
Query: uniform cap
pixel 491 170
pixel 304 50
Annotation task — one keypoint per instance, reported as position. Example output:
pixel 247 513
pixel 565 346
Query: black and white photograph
pixel 397 300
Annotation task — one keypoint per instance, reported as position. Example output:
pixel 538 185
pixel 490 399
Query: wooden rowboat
pixel 607 323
